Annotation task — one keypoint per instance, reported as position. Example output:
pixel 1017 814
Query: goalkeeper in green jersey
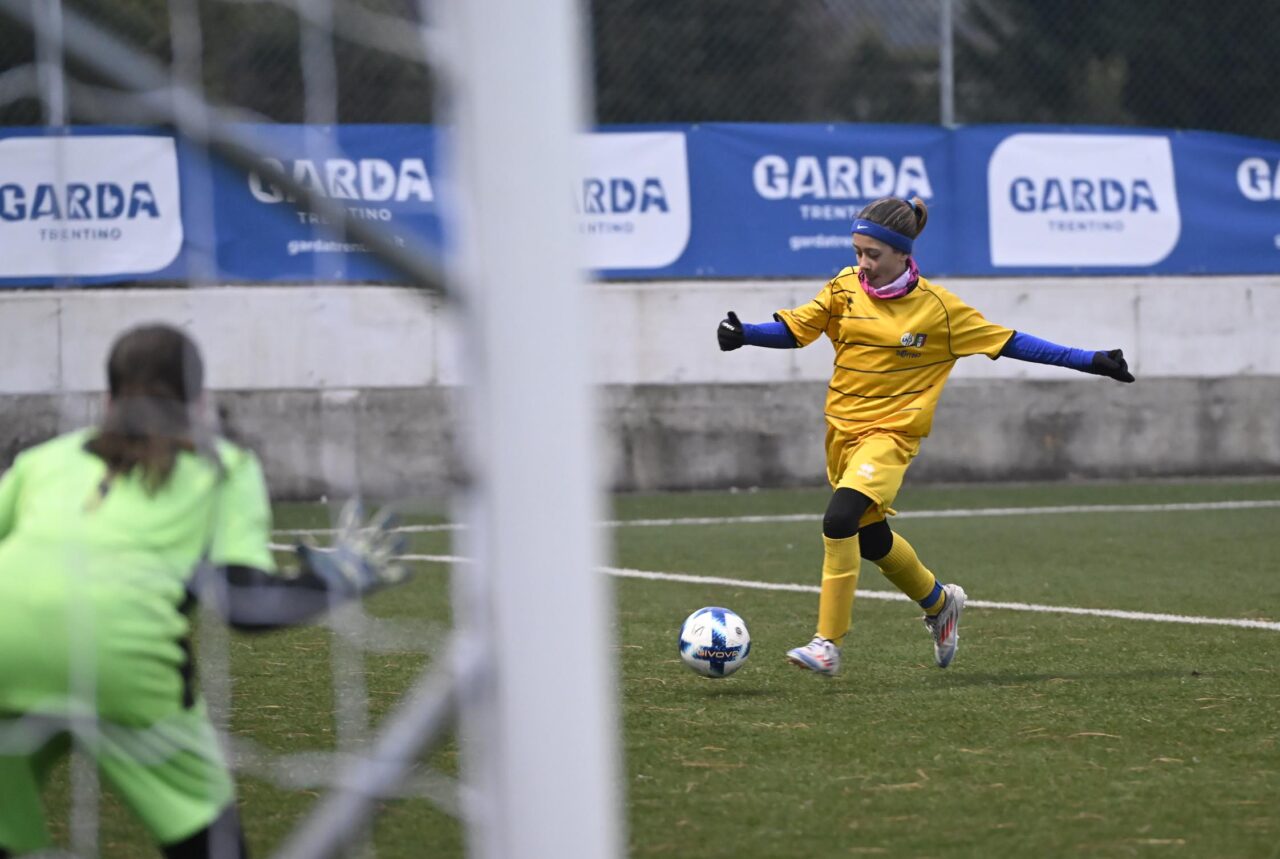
pixel 108 537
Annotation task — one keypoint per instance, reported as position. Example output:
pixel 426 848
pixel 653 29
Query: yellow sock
pixel 902 567
pixel 840 563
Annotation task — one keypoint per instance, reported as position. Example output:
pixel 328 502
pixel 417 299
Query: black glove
pixel 730 333
pixel 1112 365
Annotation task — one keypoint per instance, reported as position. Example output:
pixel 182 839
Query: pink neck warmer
pixel 898 288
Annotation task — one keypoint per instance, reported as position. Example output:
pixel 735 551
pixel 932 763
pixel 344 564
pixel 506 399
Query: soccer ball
pixel 714 641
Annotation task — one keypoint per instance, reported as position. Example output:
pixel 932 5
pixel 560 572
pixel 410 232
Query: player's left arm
pixel 364 557
pixel 242 521
pixel 239 580
pixel 1110 363
pixel 250 599
pixel 972 334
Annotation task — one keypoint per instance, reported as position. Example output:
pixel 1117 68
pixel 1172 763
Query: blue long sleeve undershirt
pixel 771 335
pixel 1024 347
pixel 1021 346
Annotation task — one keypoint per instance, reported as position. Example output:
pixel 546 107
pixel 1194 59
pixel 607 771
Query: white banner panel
pixel 88 205
pixel 633 199
pixel 1082 200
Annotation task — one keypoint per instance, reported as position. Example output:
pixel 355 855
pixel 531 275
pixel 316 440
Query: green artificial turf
pixel 1050 735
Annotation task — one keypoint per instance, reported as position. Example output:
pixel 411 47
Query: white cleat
pixel 945 628
pixel 820 656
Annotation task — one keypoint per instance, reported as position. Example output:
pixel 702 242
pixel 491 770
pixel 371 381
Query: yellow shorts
pixel 873 464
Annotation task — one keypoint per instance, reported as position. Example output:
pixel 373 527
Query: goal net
pixel 371 226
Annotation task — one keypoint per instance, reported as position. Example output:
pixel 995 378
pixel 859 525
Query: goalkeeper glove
pixel 730 333
pixel 362 558
pixel 1111 364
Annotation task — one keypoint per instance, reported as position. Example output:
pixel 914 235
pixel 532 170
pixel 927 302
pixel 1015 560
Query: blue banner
pixel 103 205
pixel 778 200
pixel 385 176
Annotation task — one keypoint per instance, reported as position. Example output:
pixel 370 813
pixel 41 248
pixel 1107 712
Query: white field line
pixel 624 573
pixel 1007 606
pixel 973 513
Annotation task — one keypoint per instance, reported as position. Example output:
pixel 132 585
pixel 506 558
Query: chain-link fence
pixel 1168 63
pixel 264 56
pixel 1162 63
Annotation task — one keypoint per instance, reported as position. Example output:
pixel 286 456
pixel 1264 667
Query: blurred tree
pixel 1163 63
pixel 871 82
pixel 700 60
pixel 17 49
pixel 251 56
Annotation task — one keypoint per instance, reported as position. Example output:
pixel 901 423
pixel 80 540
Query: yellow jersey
pixel 892 355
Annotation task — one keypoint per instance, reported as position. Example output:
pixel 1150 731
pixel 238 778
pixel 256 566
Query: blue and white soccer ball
pixel 714 641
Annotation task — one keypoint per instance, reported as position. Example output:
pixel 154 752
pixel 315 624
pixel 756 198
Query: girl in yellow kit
pixel 896 338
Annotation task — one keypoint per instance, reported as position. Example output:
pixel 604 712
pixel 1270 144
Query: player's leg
pixel 840 564
pixel 898 561
pixel 222 839
pixel 900 564
pixel 865 472
pixel 172 775
pixel 22 826
pixel 877 470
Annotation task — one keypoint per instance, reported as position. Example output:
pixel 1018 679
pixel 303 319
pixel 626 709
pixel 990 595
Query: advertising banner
pixel 632 203
pixel 384 175
pixel 777 200
pixel 1071 200
pixel 88 206
pixel 714 200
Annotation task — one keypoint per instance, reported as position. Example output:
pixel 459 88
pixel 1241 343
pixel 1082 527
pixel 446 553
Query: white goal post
pixel 529 676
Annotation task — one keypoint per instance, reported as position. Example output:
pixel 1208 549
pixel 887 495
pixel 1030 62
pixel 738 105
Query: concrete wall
pixel 338 387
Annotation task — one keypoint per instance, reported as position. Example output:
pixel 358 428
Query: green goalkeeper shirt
pixel 93 582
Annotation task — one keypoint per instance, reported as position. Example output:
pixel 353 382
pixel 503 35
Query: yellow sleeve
pixel 971 333
pixel 243 525
pixel 808 321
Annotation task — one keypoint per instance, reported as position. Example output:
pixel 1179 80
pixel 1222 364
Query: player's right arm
pixel 734 334
pixel 789 329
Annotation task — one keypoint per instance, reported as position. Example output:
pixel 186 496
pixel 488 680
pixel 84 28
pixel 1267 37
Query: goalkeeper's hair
pixel 154 375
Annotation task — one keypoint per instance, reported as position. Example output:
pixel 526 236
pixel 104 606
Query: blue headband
pixel 894 240
pixel 863 227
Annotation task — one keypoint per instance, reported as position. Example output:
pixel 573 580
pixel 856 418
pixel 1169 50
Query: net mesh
pixel 316 63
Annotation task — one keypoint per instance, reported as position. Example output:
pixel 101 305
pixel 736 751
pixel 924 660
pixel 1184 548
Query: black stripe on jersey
pixel 900 369
pixel 868 420
pixel 814 327
pixel 877 396
pixel 187 668
pixel 854 420
pixel 946 315
pixel 870 345
pixel 837 316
